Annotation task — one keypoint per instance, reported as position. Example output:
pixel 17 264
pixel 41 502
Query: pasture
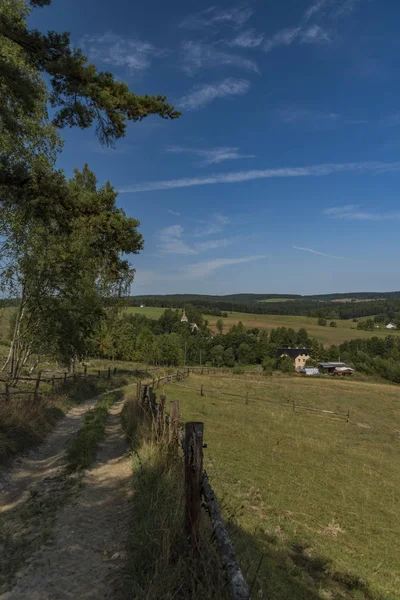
pixel 313 496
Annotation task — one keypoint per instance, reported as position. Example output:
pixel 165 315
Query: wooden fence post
pixel 7 393
pixel 74 377
pixel 202 390
pixel 109 373
pixel 294 404
pixel 98 374
pixel 160 418
pixel 53 383
pixel 193 478
pixel 65 378
pixel 139 389
pixel 115 371
pixel 173 422
pixel 348 415
pixel 247 397
pixel 85 370
pixel 39 375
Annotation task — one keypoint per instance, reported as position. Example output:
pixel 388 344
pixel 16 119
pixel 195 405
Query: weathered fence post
pixel 348 416
pixel 109 373
pixel 36 394
pixel 294 404
pixel 85 370
pixel 161 418
pixel 138 387
pixel 193 478
pixel 7 393
pixel 98 374
pixel 53 383
pixel 173 422
pixel 247 397
pixel 202 390
pixel 115 371
pixel 74 377
pixel 65 378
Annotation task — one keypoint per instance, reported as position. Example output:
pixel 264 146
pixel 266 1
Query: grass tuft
pixel 83 447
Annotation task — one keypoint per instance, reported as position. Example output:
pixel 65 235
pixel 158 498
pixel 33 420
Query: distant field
pixel 345 329
pixel 275 300
pixel 315 496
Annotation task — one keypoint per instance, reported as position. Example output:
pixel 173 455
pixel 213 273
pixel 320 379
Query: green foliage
pixel 229 357
pixel 145 345
pixel 333 324
pixel 285 364
pixel 220 325
pixel 322 322
pixel 217 355
pixel 367 325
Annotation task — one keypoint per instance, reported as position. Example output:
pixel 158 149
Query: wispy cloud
pixel 198 55
pixel 173 212
pixel 319 253
pixel 315 9
pixel 311 34
pixel 172 240
pixel 355 212
pixel 211 156
pixel 247 39
pixel 239 176
pixel 202 269
pixel 113 49
pixel 235 16
pixel 202 95
pixel 313 28
pixel 294 115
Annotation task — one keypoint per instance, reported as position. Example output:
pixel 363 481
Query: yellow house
pixel 299 356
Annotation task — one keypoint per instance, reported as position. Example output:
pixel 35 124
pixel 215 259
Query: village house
pixel 298 355
pixel 335 368
pixel 391 326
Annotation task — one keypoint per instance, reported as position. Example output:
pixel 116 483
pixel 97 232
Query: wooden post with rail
pixel 193 479
pixel 161 418
pixel 173 422
pixel 37 384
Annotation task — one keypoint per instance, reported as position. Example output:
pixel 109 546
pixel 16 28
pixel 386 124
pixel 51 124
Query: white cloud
pixel 202 269
pixel 198 55
pixel 239 176
pixel 235 16
pixel 202 95
pixel 310 34
pixel 293 115
pixel 211 156
pixel 247 39
pixel 318 253
pixel 176 214
pixel 354 212
pixel 113 49
pixel 171 241
pixel 315 9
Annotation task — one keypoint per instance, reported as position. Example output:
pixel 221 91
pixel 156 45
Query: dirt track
pixel 84 552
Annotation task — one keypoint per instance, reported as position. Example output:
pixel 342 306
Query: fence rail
pixel 197 483
pixel 289 404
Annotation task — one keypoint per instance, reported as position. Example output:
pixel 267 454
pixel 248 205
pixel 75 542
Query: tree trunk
pixel 13 352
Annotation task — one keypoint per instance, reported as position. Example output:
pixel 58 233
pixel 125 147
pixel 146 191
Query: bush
pixel 333 324
pixel 285 364
pixel 238 370
pixel 268 366
pixel 322 322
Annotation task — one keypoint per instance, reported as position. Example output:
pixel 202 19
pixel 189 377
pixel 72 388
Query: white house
pixel 391 326
pixel 184 318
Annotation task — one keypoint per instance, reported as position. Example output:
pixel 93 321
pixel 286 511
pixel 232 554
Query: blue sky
pixel 282 174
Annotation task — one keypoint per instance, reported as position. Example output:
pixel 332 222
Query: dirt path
pixel 42 463
pixel 85 553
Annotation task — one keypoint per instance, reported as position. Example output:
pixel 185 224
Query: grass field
pixel 345 329
pixel 316 496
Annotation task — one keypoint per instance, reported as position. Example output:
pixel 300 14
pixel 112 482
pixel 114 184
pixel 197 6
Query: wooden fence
pixel 289 404
pixel 8 393
pixel 198 490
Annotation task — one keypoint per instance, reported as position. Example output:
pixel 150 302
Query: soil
pixel 84 552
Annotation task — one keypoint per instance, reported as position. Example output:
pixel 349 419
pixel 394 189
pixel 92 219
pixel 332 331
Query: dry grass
pixel 161 563
pixel 317 497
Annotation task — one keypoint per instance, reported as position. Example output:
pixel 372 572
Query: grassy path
pixel 82 557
